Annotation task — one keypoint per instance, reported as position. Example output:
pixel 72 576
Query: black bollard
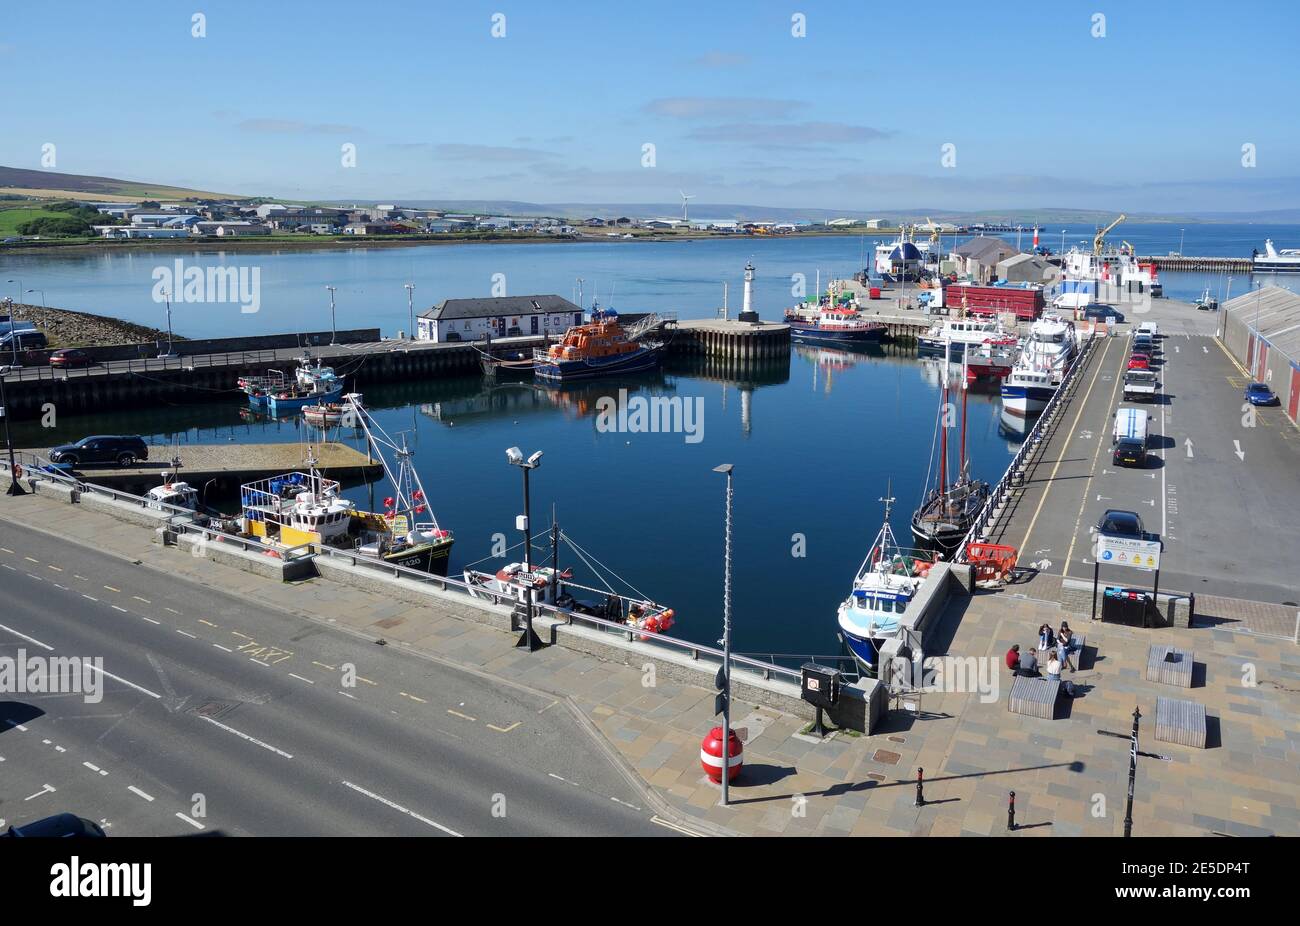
pixel 920 783
pixel 1011 812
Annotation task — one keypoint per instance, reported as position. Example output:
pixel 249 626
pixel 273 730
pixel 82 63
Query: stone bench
pixel 1170 666
pixel 1035 697
pixel 1181 722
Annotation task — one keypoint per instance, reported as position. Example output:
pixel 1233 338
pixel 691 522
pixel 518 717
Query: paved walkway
pixel 1068 777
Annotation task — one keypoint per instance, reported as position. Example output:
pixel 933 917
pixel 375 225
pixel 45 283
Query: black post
pixel 1155 594
pixel 529 637
pixel 1096 575
pixel 1011 812
pixel 14 487
pixel 1132 775
pixel 920 786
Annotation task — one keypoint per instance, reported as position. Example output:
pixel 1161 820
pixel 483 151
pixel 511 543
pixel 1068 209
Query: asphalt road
pixel 219 715
pixel 1222 495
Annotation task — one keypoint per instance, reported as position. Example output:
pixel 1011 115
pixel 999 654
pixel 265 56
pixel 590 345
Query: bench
pixel 1181 722
pixel 1076 655
pixel 1170 666
pixel 1034 696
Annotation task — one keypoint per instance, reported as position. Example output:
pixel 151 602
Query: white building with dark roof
pixel 501 317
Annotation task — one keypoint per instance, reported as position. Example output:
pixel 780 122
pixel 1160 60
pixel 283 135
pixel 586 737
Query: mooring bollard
pixel 920 784
pixel 1011 812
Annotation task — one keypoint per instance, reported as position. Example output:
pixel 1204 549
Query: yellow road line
pixel 493 726
pixel 209 623
pixel 1101 438
pixel 1024 544
pixel 238 634
pixel 462 716
pixel 412 697
pixel 323 666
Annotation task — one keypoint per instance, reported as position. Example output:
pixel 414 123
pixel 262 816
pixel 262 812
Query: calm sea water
pixel 815 443
pixel 682 276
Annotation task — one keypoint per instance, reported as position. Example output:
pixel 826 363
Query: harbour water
pixel 815 445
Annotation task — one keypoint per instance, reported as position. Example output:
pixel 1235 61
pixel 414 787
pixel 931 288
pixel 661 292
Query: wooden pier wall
pixel 1179 263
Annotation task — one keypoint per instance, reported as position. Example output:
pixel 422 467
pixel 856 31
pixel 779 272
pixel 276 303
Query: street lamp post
pixel 42 292
pixel 516 458
pixel 1132 774
pixel 14 487
pixel 726 470
pixel 20 288
pixel 168 297
pixel 334 337
pixel 410 308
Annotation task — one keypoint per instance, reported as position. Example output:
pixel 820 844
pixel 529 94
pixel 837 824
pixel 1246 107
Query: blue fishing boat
pixel 599 348
pixel 276 394
pixel 833 324
pixel 883 588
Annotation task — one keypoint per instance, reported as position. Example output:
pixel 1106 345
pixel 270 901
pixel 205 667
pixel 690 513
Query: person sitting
pixel 1045 638
pixel 1028 665
pixel 1054 669
pixel 1013 657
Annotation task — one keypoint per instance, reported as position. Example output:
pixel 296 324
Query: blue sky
pixel 1150 117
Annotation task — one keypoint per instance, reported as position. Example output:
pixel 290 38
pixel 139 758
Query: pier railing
pixel 1043 428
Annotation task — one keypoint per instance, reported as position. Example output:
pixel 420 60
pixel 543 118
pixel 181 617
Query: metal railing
pixel 1042 431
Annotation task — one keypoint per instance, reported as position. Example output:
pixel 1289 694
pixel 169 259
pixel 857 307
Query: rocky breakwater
pixel 66 328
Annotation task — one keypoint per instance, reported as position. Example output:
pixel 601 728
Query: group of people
pixel 1055 648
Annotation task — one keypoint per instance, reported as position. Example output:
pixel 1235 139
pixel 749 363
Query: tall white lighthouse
pixel 747 306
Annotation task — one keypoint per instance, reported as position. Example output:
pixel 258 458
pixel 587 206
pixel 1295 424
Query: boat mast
pixel 943 422
pixel 965 385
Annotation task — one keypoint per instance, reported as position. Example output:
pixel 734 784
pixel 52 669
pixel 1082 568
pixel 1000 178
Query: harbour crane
pixel 1098 241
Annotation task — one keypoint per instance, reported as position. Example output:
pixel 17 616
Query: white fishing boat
pixel 1028 388
pixel 957 334
pixel 1272 260
pixel 1051 344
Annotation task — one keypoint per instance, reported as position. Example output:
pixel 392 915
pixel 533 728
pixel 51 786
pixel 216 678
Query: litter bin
pixel 1126 606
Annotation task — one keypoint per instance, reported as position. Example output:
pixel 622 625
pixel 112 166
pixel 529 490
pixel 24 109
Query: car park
pixel 101 448
pixel 1261 394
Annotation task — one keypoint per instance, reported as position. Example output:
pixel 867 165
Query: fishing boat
pixel 1028 388
pixel 312 383
pixel 553 586
pixel 949 510
pixel 1051 344
pixel 992 359
pixel 832 324
pixel 882 589
pixel 298 508
pixel 328 414
pixel 599 348
pixel 173 493
pixel 1272 260
pixel 955 335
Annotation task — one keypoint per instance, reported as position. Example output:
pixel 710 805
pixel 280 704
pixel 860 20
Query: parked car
pixel 101 448
pixel 1116 522
pixel 59 825
pixel 1261 394
pixel 1130 451
pixel 1139 362
pixel 71 357
pixel 1102 313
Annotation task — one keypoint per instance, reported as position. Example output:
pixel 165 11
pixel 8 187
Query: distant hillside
pixel 51 184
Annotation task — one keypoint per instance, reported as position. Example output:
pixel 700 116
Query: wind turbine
pixel 685 199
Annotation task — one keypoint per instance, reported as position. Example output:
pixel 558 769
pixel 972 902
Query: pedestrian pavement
pixel 1069 777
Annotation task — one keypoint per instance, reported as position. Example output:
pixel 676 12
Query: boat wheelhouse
pixel 955 335
pixel 1027 389
pixel 837 324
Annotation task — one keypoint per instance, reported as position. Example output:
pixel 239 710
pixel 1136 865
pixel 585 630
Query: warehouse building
pixel 1262 331
pixel 506 316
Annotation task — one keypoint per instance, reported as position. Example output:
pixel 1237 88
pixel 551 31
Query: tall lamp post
pixel 410 308
pixel 726 469
pixel 334 335
pixel 168 297
pixel 14 487
pixel 516 457
pixel 20 288
pixel 42 292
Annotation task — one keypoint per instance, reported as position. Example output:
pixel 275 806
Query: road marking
pixel 301 679
pixel 7 566
pixel 55 568
pixel 186 633
pixel 462 716
pixel 673 826
pixel 145 600
pixel 5 550
pixel 122 680
pixel 493 726
pixel 45 789
pixel 88 596
pixel 223 648
pixel 259 662
pixel 548 707
pixel 322 665
pixel 59 749
pixel 64 587
pixel 209 623
pixel 366 680
pixel 134 790
pixel 93 768
pixel 398 807
pixel 624 803
pixel 1241 454
pixel 194 823
pixel 27 638
pixel 236 633
pixel 30 560
pixel 149 619
pixel 82 578
pixel 346 695
pixel 116 608
pixel 412 697
pixel 111 589
pixel 37 578
pixel 244 736
pixel 173 610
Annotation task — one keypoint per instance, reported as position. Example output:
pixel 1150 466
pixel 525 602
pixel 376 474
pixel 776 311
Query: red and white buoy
pixel 711 755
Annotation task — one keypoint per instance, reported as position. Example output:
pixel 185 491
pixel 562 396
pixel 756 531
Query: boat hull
pixel 807 332
pixel 278 406
pixel 1265 265
pixel 947 529
pixel 425 557
pixel 1024 401
pixel 638 361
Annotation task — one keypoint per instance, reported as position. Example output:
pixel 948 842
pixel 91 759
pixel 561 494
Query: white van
pixel 1149 328
pixel 1130 437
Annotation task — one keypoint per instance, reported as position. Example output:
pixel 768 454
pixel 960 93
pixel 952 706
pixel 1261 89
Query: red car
pixel 71 357
pixel 1139 362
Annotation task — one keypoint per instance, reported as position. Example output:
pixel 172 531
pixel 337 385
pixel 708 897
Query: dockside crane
pixel 1098 241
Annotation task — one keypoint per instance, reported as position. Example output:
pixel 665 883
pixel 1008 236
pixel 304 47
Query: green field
pixel 10 219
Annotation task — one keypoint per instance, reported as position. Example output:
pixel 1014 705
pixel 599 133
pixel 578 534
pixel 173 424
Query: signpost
pixel 1132 552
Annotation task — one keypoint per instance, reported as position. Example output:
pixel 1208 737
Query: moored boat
pixel 598 348
pixel 834 324
pixel 955 335
pixel 1272 260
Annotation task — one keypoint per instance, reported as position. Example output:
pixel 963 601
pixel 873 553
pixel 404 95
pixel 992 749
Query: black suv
pixel 101 449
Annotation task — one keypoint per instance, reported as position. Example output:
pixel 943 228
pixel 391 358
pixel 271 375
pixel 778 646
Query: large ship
pixel 1114 266
pixel 1272 260
pixel 882 589
pixel 598 348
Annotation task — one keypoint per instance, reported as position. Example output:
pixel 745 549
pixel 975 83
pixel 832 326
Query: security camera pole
pixel 334 334
pixel 515 456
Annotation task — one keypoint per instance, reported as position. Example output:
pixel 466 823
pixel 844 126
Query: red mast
pixel 943 425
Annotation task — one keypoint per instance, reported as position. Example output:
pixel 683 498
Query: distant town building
pixel 230 229
pixel 506 316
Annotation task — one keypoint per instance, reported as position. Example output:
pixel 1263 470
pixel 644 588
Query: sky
pixel 876 106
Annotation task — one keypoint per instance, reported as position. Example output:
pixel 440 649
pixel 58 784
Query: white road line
pixel 119 678
pixel 88 596
pixel 27 638
pixel 186 633
pixel 194 823
pixel 37 578
pixel 673 826
pixel 64 587
pixel 301 679
pixel 7 566
pixel 225 648
pixel 91 766
pixel 145 600
pixel 624 803
pixel 251 659
pixel 245 736
pixel 30 560
pixel 55 568
pixel 173 610
pixel 149 619
pixel 346 695
pixel 45 789
pixel 5 550
pixel 116 608
pixel 136 791
pixel 398 807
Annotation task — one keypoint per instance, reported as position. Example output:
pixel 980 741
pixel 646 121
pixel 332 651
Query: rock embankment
pixel 66 328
